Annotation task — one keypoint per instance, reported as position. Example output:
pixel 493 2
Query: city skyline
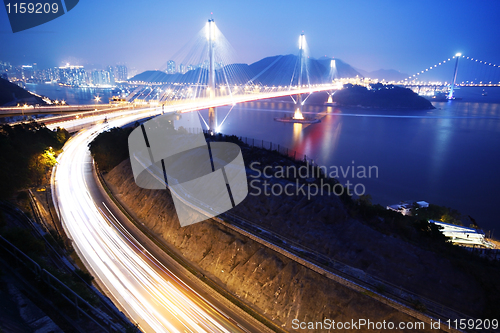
pixel 370 36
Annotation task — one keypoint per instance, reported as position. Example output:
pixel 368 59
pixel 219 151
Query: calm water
pixel 448 156
pixel 72 96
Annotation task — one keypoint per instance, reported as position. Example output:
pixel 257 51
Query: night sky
pixel 403 35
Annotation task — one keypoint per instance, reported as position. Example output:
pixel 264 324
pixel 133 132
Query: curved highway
pixel 126 264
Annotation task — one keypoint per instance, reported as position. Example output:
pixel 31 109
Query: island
pixel 381 96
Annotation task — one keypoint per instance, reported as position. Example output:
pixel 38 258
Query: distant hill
pixel 11 95
pixel 381 96
pixel 385 74
pixel 272 71
pixel 278 70
pixel 341 69
pixel 198 75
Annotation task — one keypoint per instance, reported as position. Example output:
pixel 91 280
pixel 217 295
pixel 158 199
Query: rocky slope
pixel 319 225
pixel 276 286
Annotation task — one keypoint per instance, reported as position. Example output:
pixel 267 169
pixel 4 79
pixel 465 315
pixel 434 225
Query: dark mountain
pixel 150 76
pixel 340 69
pixel 278 70
pixel 237 74
pixel 11 95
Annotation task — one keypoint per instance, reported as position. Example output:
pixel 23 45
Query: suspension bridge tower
pixel 212 112
pixel 298 117
pixel 298 112
pixel 453 81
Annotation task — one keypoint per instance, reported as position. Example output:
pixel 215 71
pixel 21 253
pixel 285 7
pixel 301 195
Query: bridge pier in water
pixel 212 119
pixel 453 81
pixel 298 111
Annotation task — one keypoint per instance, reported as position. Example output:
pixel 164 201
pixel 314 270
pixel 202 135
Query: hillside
pixel 401 250
pixel 276 286
pixel 11 95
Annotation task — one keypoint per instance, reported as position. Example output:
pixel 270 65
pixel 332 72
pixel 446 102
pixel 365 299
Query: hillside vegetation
pixel 27 152
pixel 381 96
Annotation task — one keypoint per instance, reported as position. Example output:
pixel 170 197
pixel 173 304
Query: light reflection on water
pixel 448 156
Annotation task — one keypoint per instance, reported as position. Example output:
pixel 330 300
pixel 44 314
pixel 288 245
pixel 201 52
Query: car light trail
pixel 146 290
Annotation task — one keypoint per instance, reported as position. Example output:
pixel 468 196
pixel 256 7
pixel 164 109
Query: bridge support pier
pixel 212 120
pixel 454 79
pixel 330 99
pixel 298 111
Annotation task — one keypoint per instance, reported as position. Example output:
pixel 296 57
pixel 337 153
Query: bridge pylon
pixel 212 112
pixel 453 81
pixel 298 111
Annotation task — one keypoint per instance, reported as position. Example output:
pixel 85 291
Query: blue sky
pixel 400 34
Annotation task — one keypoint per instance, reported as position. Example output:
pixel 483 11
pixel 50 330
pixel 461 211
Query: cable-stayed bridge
pixel 460 69
pixel 156 296
pixel 208 77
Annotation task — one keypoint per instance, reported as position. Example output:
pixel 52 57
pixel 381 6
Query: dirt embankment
pixel 276 286
pixel 322 225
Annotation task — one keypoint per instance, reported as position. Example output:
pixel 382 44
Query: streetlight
pixel 97 99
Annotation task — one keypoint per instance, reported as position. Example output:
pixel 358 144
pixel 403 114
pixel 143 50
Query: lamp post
pixel 97 99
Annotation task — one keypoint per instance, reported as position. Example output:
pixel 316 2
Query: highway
pixel 78 120
pixel 138 276
pixel 125 262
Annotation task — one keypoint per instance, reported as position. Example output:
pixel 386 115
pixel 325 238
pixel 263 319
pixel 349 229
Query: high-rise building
pixel 121 73
pixel 101 77
pixel 73 75
pixel 111 75
pixel 182 69
pixel 171 67
pixel 96 77
pixel 28 72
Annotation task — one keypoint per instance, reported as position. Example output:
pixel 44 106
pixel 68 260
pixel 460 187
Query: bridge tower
pixel 298 112
pixel 212 112
pixel 453 81
pixel 333 74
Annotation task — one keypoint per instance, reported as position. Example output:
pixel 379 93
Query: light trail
pixel 151 295
pixel 191 105
pixel 146 290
